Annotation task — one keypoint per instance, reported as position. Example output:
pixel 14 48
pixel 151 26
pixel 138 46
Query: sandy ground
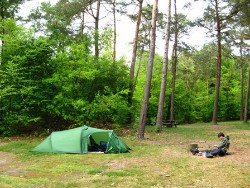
pixel 239 153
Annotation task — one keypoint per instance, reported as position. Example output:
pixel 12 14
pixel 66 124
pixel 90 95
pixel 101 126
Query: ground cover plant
pixel 160 160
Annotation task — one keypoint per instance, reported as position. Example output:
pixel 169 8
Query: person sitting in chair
pixel 220 149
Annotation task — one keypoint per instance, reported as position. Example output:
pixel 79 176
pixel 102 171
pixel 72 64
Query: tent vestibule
pixel 82 140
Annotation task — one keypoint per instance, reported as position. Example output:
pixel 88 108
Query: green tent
pixel 82 140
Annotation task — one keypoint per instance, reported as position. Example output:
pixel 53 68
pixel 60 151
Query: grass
pixel 160 160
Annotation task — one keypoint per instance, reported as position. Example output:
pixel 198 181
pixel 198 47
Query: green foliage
pixel 154 92
pixel 110 108
pixel 230 90
pixel 184 107
pixel 25 62
pixel 241 7
pixel 88 91
pixel 46 89
pixel 54 82
pixel 8 8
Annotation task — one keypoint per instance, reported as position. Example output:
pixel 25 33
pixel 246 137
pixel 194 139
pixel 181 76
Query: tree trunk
pixel 2 17
pixel 83 18
pixel 247 97
pixel 241 85
pixel 114 43
pixel 132 67
pixel 96 35
pixel 174 63
pixel 218 68
pixel 144 108
pixel 164 70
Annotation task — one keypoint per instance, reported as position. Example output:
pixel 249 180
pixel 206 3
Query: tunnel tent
pixel 82 140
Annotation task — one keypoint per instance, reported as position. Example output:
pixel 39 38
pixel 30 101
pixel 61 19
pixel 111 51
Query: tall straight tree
pixel 132 66
pixel 214 15
pixel 218 64
pixel 241 83
pixel 247 97
pixel 144 108
pixel 83 4
pixel 241 8
pixel 114 32
pixel 96 17
pixel 164 70
pixel 174 60
pixel 239 40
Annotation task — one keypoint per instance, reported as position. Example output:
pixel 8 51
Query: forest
pixel 59 69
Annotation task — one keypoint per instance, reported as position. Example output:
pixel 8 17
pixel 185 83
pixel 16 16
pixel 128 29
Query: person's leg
pixel 221 153
pixel 215 151
pixel 207 151
pixel 195 151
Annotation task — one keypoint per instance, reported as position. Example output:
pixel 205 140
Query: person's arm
pixel 223 143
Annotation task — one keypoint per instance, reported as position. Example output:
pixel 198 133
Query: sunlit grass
pixel 160 160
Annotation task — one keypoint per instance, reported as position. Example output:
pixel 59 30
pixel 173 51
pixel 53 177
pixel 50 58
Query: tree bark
pixel 218 68
pixel 144 108
pixel 164 70
pixel 174 63
pixel 83 18
pixel 132 66
pixel 114 42
pixel 247 97
pixel 96 35
pixel 241 85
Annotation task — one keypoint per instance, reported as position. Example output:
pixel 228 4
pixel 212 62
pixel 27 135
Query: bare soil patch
pixel 6 158
pixel 163 165
pixel 7 164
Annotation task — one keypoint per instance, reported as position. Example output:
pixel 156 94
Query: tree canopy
pixel 58 68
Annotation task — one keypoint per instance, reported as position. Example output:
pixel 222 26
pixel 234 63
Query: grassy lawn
pixel 161 160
